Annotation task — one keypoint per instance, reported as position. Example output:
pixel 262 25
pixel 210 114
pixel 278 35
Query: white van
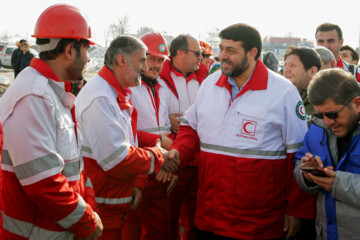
pixel 5 55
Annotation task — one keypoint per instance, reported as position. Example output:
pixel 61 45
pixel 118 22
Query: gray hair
pixel 271 61
pixel 325 54
pixel 125 45
pixel 335 84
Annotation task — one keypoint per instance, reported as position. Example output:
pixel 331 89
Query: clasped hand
pixel 171 159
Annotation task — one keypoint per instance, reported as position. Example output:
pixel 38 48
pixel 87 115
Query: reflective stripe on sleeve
pixel 247 152
pixel 114 155
pixel 38 165
pixel 88 183
pixel 16 226
pixel 72 170
pixel 6 163
pixel 152 163
pixel 86 149
pixel 294 146
pixel 113 200
pixel 75 215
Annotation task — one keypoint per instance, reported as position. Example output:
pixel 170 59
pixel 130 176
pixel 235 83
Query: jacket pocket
pixel 260 182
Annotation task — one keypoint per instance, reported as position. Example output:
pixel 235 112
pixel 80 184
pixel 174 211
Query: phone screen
pixel 314 171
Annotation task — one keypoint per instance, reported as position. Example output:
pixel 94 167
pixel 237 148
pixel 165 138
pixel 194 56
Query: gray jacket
pixel 338 211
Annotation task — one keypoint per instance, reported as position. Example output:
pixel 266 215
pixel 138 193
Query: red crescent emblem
pixel 245 125
pixel 302 110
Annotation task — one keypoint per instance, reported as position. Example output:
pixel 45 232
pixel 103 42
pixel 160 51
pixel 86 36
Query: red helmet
pixel 205 47
pixel 62 21
pixel 156 44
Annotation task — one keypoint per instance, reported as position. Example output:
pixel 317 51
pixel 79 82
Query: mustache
pixel 154 69
pixel 226 61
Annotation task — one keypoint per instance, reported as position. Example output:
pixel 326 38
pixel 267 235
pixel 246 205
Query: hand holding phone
pixel 316 171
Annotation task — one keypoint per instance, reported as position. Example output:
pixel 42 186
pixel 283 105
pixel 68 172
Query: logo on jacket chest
pixel 248 129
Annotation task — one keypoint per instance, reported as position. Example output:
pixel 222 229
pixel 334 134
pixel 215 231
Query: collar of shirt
pixel 235 90
pixel 257 81
pixel 62 89
pixel 122 94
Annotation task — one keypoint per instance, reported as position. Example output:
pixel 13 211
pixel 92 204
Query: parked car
pixel 5 55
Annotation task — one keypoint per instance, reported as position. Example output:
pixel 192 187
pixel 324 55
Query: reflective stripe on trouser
pixel 156 130
pixel 28 230
pixel 100 200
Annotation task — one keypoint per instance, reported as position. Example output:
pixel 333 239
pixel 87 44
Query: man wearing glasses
pixel 332 146
pixel 181 76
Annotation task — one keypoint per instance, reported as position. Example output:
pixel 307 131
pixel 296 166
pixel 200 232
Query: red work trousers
pixel 183 198
pixel 151 219
pixel 111 234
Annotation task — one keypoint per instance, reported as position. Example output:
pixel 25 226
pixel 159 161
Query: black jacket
pixel 28 57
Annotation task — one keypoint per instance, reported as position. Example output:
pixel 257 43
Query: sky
pixel 271 17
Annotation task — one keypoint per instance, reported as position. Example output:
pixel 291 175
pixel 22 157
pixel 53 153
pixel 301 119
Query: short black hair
pixel 308 56
pixel 326 27
pixel 60 48
pixel 247 35
pixel 354 54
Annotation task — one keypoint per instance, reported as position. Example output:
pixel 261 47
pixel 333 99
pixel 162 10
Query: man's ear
pixel 356 104
pixel 69 51
pixel 313 70
pixel 252 53
pixel 121 60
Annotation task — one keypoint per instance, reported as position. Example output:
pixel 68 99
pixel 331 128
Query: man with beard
pixel 44 195
pixel 151 218
pixel 248 124
pixel 181 77
pixel 332 146
pixel 108 125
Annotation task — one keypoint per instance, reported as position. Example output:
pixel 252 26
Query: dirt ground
pixel 9 73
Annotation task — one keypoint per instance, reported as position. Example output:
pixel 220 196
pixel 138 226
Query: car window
pixel 9 50
pixel 1 47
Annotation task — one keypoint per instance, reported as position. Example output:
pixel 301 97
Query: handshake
pixel 171 159
pixel 170 165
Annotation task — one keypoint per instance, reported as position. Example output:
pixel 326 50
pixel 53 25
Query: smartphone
pixel 315 171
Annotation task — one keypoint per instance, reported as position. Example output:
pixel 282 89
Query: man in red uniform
pixel 108 124
pixel 247 138
pixel 44 193
pixel 181 76
pixel 151 219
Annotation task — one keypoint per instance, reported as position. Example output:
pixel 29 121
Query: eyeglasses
pixel 329 115
pixel 197 53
